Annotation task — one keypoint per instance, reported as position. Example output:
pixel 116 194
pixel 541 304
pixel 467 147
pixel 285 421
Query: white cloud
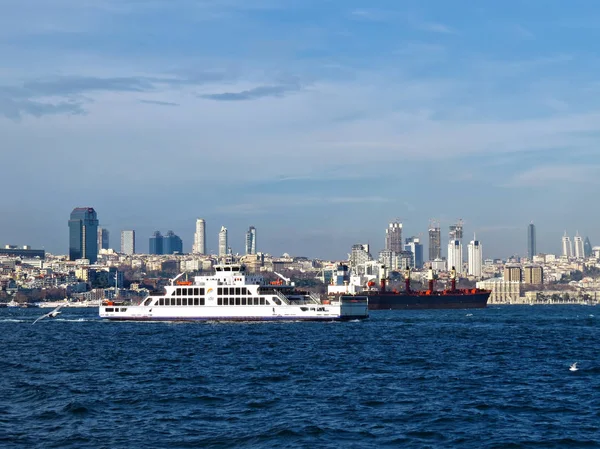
pixel 557 175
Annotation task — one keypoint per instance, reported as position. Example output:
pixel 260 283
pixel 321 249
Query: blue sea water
pixel 492 378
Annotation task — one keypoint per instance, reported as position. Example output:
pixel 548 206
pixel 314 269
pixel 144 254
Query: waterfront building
pixel 251 240
pixel 199 246
pixel 579 249
pixel 172 244
pixel 475 258
pixel 103 238
pixel 393 237
pixel 83 234
pixel 223 242
pixel 533 274
pixel 531 242
pixel 156 243
pixel 413 244
pixel 128 242
pixel 512 273
pixel 24 252
pixel 455 255
pixel 435 241
pixel 567 246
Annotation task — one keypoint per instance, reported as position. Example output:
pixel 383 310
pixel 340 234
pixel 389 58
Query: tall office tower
pixel 512 273
pixel 531 243
pixel 413 244
pixel 172 244
pixel 456 231
pixel 435 241
pixel 393 237
pixel 455 256
pixel 251 240
pixel 156 243
pixel 533 274
pixel 475 257
pixel 128 242
pixel 359 256
pixel 567 247
pixel 103 238
pixel 579 250
pixel 83 234
pixel 223 241
pixel 587 247
pixel 200 237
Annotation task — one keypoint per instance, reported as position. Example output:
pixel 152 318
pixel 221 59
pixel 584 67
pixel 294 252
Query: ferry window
pixel 219 301
pixel 243 301
pixel 196 291
pixel 201 301
pixel 220 291
pixel 202 292
pixel 262 301
pixel 161 302
pixel 110 309
pixel 244 291
pixel 238 291
pixel 256 301
pixel 184 302
pixel 225 290
pixel 178 301
pixel 178 292
pixel 123 309
pixel 237 301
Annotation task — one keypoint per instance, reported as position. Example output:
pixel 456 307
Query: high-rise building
pixel 512 273
pixel 156 243
pixel 393 237
pixel 587 247
pixel 172 244
pixel 579 249
pixel 435 241
pixel 83 234
pixel 200 237
pixel 456 231
pixel 567 247
pixel 455 256
pixel 103 238
pixel 223 241
pixel 474 258
pixel 413 244
pixel 531 243
pixel 358 257
pixel 128 242
pixel 533 274
pixel 251 240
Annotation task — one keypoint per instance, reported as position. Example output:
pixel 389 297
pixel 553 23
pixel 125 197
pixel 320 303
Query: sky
pixel 316 121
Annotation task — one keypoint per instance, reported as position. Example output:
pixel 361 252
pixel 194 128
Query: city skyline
pixel 324 119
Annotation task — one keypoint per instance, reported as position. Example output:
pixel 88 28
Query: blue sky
pixel 315 121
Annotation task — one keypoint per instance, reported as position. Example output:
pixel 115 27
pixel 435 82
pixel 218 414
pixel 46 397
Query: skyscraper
pixel 172 243
pixel 455 255
pixel 128 242
pixel 251 240
pixel 531 243
pixel 567 247
pixel 435 241
pixel 587 247
pixel 475 257
pixel 413 244
pixel 223 241
pixel 200 237
pixel 579 250
pixel 103 238
pixel 83 234
pixel 456 231
pixel 156 243
pixel 393 237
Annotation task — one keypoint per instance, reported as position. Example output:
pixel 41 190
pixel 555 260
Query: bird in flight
pixel 573 367
pixel 52 314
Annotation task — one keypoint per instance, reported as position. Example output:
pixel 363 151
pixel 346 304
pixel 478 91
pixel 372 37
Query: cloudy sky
pixel 317 121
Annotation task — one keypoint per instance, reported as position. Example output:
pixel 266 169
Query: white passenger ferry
pixel 231 294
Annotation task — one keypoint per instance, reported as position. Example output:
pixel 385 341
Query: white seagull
pixel 52 314
pixel 573 367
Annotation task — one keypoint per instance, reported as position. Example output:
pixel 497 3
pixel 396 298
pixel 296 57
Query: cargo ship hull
pixel 404 301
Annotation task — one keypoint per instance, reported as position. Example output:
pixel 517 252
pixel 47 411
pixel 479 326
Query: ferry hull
pixel 403 301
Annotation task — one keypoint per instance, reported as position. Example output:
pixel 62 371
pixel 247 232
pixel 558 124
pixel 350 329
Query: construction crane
pixel 288 280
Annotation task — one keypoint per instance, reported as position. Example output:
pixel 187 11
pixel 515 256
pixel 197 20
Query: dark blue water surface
pixel 493 378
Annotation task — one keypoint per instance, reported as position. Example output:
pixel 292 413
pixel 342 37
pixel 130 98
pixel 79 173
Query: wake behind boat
pixel 231 294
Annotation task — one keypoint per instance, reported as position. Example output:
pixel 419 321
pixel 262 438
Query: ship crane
pixel 281 276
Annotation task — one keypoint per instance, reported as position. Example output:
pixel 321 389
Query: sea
pixel 486 378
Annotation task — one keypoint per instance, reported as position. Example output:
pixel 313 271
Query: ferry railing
pixel 282 297
pixel 315 298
